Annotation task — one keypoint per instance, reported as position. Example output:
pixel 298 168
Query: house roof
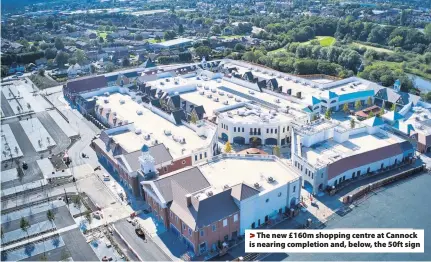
pixel 176 100
pixel 201 211
pixel 329 94
pixel 178 116
pixel 190 179
pixel 243 191
pixel 374 121
pixel 85 84
pixel 393 116
pixel 200 111
pixel 312 100
pixel 159 152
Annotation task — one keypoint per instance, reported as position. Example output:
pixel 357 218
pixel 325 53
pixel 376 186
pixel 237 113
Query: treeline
pixel 22 58
pixel 183 57
pixel 306 28
pixel 289 63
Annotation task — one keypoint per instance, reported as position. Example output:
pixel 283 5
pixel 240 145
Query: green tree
pixel 369 101
pixel 80 56
pixel 352 123
pixel 427 31
pixel 371 114
pixel 157 39
pixel 328 114
pixel 239 47
pixel 276 151
pixel 394 107
pixel 180 29
pixel 88 216
pixel 59 44
pixel 24 225
pixel 382 111
pixel 61 58
pixel 50 215
pixel 346 108
pixel 358 104
pixel 215 29
pixel 193 118
pixel 203 51
pixel 169 35
pixel 228 147
pixel 109 67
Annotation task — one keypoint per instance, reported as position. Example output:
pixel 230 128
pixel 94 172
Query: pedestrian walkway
pixel 39 238
pixel 25 212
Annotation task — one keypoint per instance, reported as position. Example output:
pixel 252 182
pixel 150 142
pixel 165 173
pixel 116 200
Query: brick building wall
pixel 209 236
pixel 176 165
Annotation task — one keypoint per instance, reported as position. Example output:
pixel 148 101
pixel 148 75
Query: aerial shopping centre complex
pixel 166 130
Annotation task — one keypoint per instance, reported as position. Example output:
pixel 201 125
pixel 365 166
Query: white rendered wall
pixel 256 207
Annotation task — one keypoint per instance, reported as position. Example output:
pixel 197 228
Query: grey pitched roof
pixel 202 211
pixel 191 180
pixel 175 100
pixel 159 152
pixel 243 191
pixel 179 115
pixel 200 111
pixel 85 84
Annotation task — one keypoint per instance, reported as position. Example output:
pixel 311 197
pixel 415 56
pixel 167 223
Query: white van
pixel 106 177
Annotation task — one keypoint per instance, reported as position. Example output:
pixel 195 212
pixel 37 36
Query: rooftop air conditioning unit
pixel 106 93
pixel 213 90
pixel 122 101
pixel 226 187
pixel 209 193
pixel 226 102
pixel 139 112
pixel 167 132
pixel 138 131
pixel 237 99
pixel 209 96
pixel 106 101
pixel 251 92
pixel 229 95
pixel 114 113
pixel 256 185
pixel 206 88
pixel 271 179
pixel 221 93
pixel 202 93
pixel 147 137
pixel 215 99
pixel 162 83
pixel 277 100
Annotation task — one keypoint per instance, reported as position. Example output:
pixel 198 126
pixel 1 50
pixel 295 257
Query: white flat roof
pixel 331 150
pixel 175 42
pixel 420 119
pixel 256 114
pixel 210 87
pixel 249 170
pixel 263 96
pixel 170 83
pixel 154 125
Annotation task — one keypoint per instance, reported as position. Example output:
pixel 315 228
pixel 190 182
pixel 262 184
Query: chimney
pixel 189 199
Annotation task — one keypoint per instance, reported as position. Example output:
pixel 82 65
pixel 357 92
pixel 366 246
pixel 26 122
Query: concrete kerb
pixel 124 240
